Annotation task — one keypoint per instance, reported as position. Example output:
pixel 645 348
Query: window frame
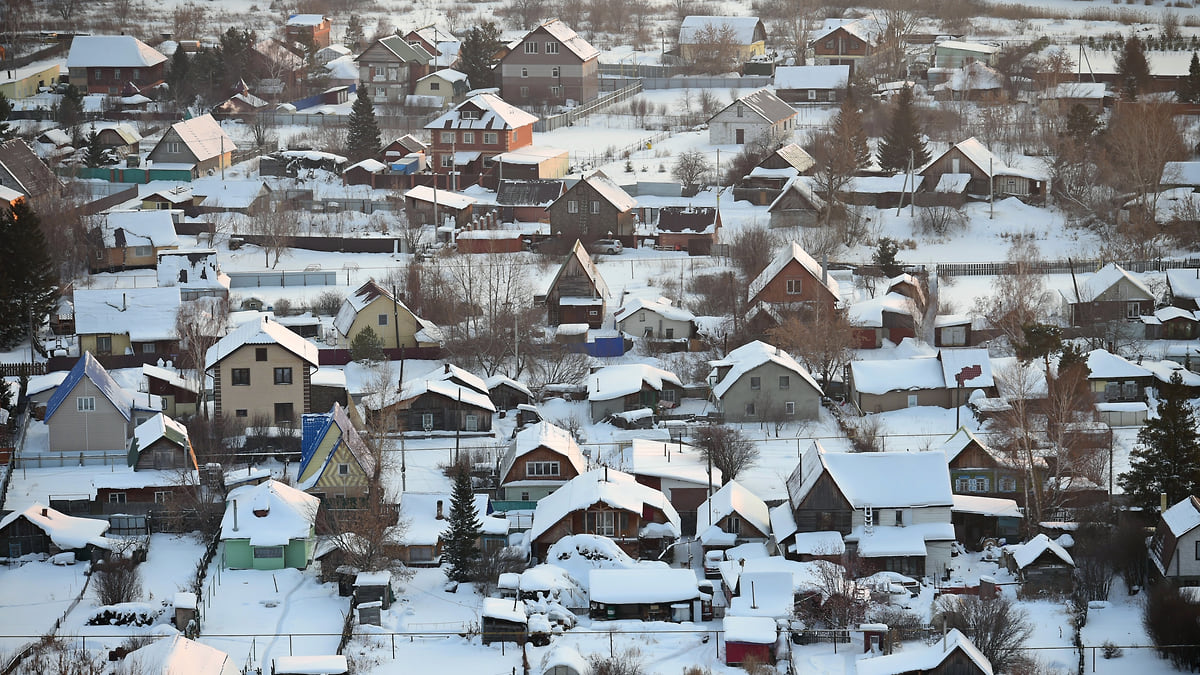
pixel 239 377
pixel 382 319
pixel 789 408
pixel 551 47
pixel 282 418
pixel 794 286
pixel 543 469
pixel 755 383
pixel 491 138
pixel 283 375
pixel 85 404
pixel 785 381
pixel 531 47
pixel 260 354
pixel 267 552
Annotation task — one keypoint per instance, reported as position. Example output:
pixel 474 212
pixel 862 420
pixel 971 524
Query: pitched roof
pixel 765 104
pixel 177 655
pixel 925 659
pixel 570 39
pixel 204 137
pixel 812 77
pixel 1105 278
pixel 802 188
pixel 621 380
pixel 859 28
pixel 1105 365
pixel 752 355
pixel 609 486
pixel 65 531
pixel 660 306
pixel 112 51
pixel 544 435
pixel 1183 517
pixel 144 314
pixel 261 332
pixel 955 360
pixel 663 459
pixel 403 50
pixel 87 366
pixel 793 252
pixel 139 228
pixel 160 426
pixel 687 219
pixel 610 191
pixel 348 436
pixel 580 254
pixel 290 514
pixel 1025 554
pixel 534 192
pixel 33 177
pixel 915 479
pixel 494 113
pixel 794 156
pixel 734 498
pixel 744 27
pixel 364 295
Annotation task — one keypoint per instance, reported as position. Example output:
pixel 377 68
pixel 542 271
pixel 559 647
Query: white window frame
pixel 343 469
pixel 491 138
pixel 795 286
pixel 161 496
pixel 572 206
pixel 551 47
pixel 543 469
pixel 524 72
pixel 531 47
pixel 268 552
pixel 595 207
pixel 556 71
pixel 447 137
pixel 85 404
pixel 116 498
pixel 468 137
pixel 812 94
pixel 789 408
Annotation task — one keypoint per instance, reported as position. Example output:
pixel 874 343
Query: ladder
pixel 868 520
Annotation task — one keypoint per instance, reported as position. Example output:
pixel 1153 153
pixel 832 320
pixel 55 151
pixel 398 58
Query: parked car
pixel 712 563
pixel 607 246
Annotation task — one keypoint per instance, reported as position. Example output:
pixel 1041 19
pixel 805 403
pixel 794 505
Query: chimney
pixel 447 368
pixel 45 512
pixel 235 524
pixel 123 305
pixel 825 270
pixel 439 511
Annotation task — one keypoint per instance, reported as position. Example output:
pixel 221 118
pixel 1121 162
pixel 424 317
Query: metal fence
pixel 579 112
pixel 1059 267
pixel 277 279
pixel 691 82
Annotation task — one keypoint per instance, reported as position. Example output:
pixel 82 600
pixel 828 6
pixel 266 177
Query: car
pixel 607 246
pixel 712 564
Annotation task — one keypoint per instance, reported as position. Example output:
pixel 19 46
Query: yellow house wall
pixel 120 343
pixel 27 86
pixel 396 314
pixel 261 395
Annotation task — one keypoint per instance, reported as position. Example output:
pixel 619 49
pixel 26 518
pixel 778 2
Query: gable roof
pixel 144 314
pixel 204 137
pixel 609 486
pixel 87 366
pixel 160 426
pixel 804 190
pixel 744 28
pixel 955 360
pixel 812 77
pixel 915 479
pixel 616 381
pixel 610 191
pixel 348 437
pixel 793 252
pixel 1183 517
pixel 402 49
pixel 495 113
pixel 177 655
pixel 733 498
pixel 290 514
pixel 794 156
pixel 261 332
pixel 859 28
pixel 419 509
pixel 33 177
pixel 1027 553
pixel 171 377
pixel 364 295
pixel 569 39
pixel 660 306
pixel 752 355
pixel 765 104
pixel 544 435
pixel 112 51
pixel 580 254
pixel 533 192
pixel 1105 278
pixel 65 531
pixel 663 459
pixel 139 228
pixel 959 441
pixel 1104 365
pixel 925 659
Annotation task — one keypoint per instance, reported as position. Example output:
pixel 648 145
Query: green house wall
pixel 239 555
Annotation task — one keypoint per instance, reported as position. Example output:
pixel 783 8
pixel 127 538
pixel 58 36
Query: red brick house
pixel 114 64
pixel 550 65
pixel 794 278
pixel 479 128
pixel 308 28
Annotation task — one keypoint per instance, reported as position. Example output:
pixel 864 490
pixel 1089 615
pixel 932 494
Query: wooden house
pixel 117 65
pixel 507 393
pixel 161 443
pixel 677 470
pixel 428 405
pixel 179 394
pixel 750 638
pixel 1183 285
pixel 594 208
pixel 796 204
pixel 128 321
pixel 431 206
pixel 133 240
pixel 1171 323
pixel 540 459
pixel 527 200
pixel 447 86
pixel 371 305
pixel 41 529
pixel 746 34
pixel 812 84
pixel 646 594
pixel 952 330
pixel 768 179
pixel 1110 294
pixel 892 384
pixel 336 463
pixel 627 387
pixel 23 174
pixel 199 144
pixel 795 279
pixel 732 516
pixel 954 654
pixel 989 175
pixel 503 620
pixel 577 293
pixel 390 67
pixel 426 514
pixel 843 42
pixel 1175 542
pixel 1042 565
pixel 90 411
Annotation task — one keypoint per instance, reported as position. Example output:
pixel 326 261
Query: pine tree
pixel 28 283
pixel 462 541
pixel 1133 73
pixel 179 78
pixel 6 130
pixel 477 56
pixel 1167 456
pixel 903 137
pixel 95 153
pixel 1189 87
pixel 70 108
pixel 362 136
pixel 367 346
pixel 848 125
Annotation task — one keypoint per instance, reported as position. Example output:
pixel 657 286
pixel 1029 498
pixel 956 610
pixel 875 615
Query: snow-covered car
pixel 712 562
pixel 892 583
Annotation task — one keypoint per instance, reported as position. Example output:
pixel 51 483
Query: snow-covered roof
pixel 145 314
pixel 566 657
pixel 1107 277
pixel 306 20
pixel 570 39
pixel 971 77
pixel 976 47
pixel 1105 365
pixel 610 191
pixel 859 28
pixel 1181 173
pixel 204 137
pixel 892 540
pixel 1025 554
pixel 325 664
pixel 112 51
pixel 734 498
pixel 420 511
pixel 959 441
pixel 765 104
pixel 498 380
pixel 743 27
pixel 580 254
pixel 915 479
pixel 663 459
pixel 1082 90
pixel 1183 517
pixel 793 252
pixel 505 610
pixel 446 198
pixel 549 436
pixel 161 426
pixel 65 531
pixel 955 361
pixel 622 380
pixel 87 366
pixel 609 486
pixel 884 375
pixel 806 576
pixel 987 506
pixel 287 512
pixel 953 183
pixel 177 655
pixel 642 585
pixel 752 355
pixel 755 630
pixel 659 306
pixel 442 387
pixel 925 659
pixel 139 228
pixel 494 114
pixel 261 332
pixel 828 542
pixel 447 74
pixel 869 313
pixel 812 77
pixel 797 184
pixel 783 522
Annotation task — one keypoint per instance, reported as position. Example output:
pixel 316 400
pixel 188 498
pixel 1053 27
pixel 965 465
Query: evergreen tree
pixel 70 108
pixel 362 136
pixel 1082 124
pixel 6 130
pixel 885 257
pixel 28 283
pixel 95 153
pixel 848 126
pixel 462 548
pixel 179 77
pixel 1167 456
pixel 367 346
pixel 903 137
pixel 1189 87
pixel 1133 73
pixel 477 56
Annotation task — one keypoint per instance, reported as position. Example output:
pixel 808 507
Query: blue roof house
pixel 90 411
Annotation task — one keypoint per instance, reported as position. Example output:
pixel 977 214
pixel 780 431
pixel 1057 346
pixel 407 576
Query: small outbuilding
pixel 1042 565
pixel 504 620
pixel 750 638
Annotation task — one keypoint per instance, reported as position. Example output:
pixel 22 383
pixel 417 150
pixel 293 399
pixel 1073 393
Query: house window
pixel 1133 310
pixel 954 336
pixel 447 137
pixel 239 377
pixel 472 422
pixel 541 469
pixel 794 286
pixel 116 73
pixel 829 44
pixel 961 483
pixel 1130 390
pixel 551 47
pixel 572 206
pixel 490 138
pixel 97 74
pixel 260 353
pixel 468 137
pixel 427 421
pixel 137 73
pixel 434 86
pixel 116 498
pixel 161 496
pixel 670 333
pixel 447 161
pixel 380 93
pixel 283 376
pixel 343 469
pixel 524 92
pixel 789 407
pixel 148 347
pixel 469 114
pixel 241 412
pixel 268 552
pixel 556 90
pixel 284 412
pixel 750 410
pixel 1198 549
pixel 855 44
pixel 555 72
pixel 812 94
pixel 668 395
pixel 595 207
pixel 785 381
pixel 173 147
pixel 531 47
pixel 913 401
pixel 104 344
pixel 524 72
pixel 1007 484
pixel 85 404
pixel 142 251
pixel 755 383
pixel 978 484
pixel 603 523
pixel 741 111
pixel 734 525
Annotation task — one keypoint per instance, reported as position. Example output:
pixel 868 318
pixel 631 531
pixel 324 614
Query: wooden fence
pixel 583 110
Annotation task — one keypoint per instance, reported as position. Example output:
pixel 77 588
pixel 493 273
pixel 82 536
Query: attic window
pixel 260 353
pixel 173 147
pixel 469 114
pixel 343 469
pixel 794 286
pixel 551 47
pixel 531 47
pixel 85 404
pixel 740 110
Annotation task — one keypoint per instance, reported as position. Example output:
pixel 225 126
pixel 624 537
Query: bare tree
pixel 556 364
pixel 117 580
pixel 752 249
pixel 275 229
pixel 1021 297
pixel 996 626
pixel 691 168
pixel 199 324
pixel 820 342
pixel 894 21
pixel 727 448
pixel 1141 138
pixel 838 602
pixel 713 50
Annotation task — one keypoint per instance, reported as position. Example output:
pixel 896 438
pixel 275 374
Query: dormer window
pixel 469 114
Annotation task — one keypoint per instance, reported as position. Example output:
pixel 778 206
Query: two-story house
pixel 595 208
pixel 608 503
pixel 374 306
pixel 336 463
pixel 843 42
pixel 577 293
pixel 971 167
pixel 22 173
pixel 759 115
pixel 262 369
pixel 200 144
pixel 114 64
pixel 90 411
pixel 900 524
pixel 1110 294
pixel 476 130
pixel 977 469
pixel 551 65
pixel 133 239
pixel 795 280
pixel 308 29
pixel 390 68
pixel 746 34
pixel 540 459
pixel 758 381
pixel 1175 548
